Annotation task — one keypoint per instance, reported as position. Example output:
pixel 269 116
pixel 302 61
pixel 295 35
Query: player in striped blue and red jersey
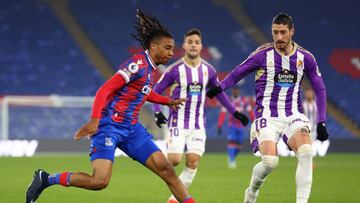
pixel 280 67
pixel 114 121
pixel 235 132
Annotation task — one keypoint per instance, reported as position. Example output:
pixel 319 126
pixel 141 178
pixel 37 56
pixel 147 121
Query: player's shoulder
pixel 138 61
pixel 263 48
pixel 305 52
pixel 207 64
pixel 175 65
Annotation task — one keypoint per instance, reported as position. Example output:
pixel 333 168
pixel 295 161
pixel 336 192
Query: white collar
pixel 150 59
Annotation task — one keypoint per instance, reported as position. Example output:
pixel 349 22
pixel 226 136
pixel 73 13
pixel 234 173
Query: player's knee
pixel 305 151
pixel 270 162
pixel 174 160
pixel 192 163
pixel 164 166
pixel 100 183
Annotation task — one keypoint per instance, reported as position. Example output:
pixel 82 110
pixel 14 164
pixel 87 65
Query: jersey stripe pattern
pixel 124 105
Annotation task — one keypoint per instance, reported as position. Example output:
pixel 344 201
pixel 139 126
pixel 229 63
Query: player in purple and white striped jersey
pixel 189 78
pixel 310 110
pixel 280 67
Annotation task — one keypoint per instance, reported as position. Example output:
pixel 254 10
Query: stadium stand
pixel 37 55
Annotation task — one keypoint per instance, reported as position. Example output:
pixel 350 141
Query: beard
pixel 192 56
pixel 282 44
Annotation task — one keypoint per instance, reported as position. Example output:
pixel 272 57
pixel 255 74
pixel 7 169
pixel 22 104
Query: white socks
pixel 186 177
pixel 304 173
pixel 261 170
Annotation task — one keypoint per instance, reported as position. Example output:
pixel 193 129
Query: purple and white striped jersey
pixel 278 80
pixel 190 83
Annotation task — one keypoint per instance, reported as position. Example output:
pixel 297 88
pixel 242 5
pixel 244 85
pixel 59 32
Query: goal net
pixel 53 117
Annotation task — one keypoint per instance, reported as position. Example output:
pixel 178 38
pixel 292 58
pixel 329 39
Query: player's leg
pixel 158 163
pixel 141 148
pixel 195 148
pixel 102 168
pixel 232 147
pixel 175 142
pixel 235 140
pixel 267 137
pixel 300 143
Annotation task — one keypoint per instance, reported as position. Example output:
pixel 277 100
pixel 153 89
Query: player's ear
pixel 292 31
pixel 153 46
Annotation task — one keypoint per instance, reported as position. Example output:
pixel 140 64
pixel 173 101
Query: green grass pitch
pixel 336 179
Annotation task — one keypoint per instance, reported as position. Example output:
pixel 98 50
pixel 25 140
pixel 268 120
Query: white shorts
pixel 272 128
pixel 189 140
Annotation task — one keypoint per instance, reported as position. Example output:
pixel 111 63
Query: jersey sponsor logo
pixel 197 139
pixel 146 90
pixel 298 120
pixel 108 142
pixel 194 88
pixel 285 78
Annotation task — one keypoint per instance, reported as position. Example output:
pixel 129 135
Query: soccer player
pixel 235 127
pixel 280 67
pixel 114 121
pixel 189 78
pixel 310 111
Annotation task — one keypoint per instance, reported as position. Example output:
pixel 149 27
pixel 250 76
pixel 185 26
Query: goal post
pixel 54 117
pixel 28 103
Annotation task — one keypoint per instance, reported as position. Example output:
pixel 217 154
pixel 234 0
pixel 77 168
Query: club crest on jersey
pixel 285 78
pixel 108 142
pixel 194 88
pixel 300 64
pixel 133 67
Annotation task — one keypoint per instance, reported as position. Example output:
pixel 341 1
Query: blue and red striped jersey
pixel 123 106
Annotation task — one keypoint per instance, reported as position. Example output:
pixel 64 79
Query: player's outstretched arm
pixel 88 129
pixel 176 104
pixel 115 83
pixel 317 83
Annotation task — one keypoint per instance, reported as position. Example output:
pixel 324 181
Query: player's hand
pixel 160 119
pixel 175 104
pixel 88 129
pixel 244 119
pixel 322 133
pixel 219 131
pixel 213 91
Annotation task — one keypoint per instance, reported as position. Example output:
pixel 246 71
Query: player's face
pixel 309 95
pixel 235 92
pixel 163 50
pixel 282 35
pixel 192 46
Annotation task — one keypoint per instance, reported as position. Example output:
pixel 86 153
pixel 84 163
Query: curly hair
pixel 148 29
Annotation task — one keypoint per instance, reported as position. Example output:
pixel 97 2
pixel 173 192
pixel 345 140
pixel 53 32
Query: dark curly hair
pixel 148 29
